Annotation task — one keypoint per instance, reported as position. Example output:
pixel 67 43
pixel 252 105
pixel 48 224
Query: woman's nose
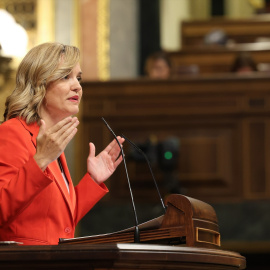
pixel 76 86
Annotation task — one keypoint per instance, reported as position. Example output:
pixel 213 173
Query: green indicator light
pixel 168 155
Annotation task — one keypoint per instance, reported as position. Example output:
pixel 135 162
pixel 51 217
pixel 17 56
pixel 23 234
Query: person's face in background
pixel 245 70
pixel 158 69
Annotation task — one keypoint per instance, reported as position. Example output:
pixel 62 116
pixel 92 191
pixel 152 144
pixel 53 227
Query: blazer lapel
pixel 53 170
pixel 60 182
pixel 33 129
pixel 72 194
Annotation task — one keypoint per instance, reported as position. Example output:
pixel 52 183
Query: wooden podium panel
pixel 117 256
pixel 222 123
pixel 186 221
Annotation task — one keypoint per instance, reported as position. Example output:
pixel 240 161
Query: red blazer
pixel 35 206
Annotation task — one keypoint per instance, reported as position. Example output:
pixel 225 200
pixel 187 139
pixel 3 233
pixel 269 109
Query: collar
pixel 32 128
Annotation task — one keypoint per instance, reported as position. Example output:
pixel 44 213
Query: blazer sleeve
pixel 88 193
pixel 21 179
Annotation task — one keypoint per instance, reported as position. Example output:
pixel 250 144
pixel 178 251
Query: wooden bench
pixel 238 30
pixel 218 59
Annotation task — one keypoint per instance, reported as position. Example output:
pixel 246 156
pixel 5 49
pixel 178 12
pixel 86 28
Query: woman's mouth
pixel 74 99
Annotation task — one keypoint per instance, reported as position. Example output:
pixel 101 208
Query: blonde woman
pixel 38 202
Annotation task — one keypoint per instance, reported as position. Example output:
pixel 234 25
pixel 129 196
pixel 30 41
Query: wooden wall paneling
pixel 209 155
pixel 267 158
pixel 256 158
pixel 256 146
pixel 257 131
pixel 208 114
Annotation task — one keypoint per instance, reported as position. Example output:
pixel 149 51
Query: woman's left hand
pixel 102 166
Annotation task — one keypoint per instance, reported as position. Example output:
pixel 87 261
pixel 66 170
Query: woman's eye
pixel 79 79
pixel 66 77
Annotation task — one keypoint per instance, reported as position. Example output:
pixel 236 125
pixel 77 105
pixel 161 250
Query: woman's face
pixel 63 97
pixel 159 69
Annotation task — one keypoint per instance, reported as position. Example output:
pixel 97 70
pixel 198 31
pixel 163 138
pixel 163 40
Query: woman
pixel 38 202
pixel 158 66
pixel 244 64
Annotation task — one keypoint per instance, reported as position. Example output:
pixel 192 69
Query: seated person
pixel 216 37
pixel 158 66
pixel 244 63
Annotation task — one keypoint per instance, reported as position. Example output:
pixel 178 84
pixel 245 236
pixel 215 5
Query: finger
pixel 120 139
pixel 69 131
pixel 63 136
pixel 115 150
pixel 118 161
pixel 68 138
pixel 73 123
pixel 114 144
pixel 64 132
pixel 42 127
pixel 61 125
pixel 92 150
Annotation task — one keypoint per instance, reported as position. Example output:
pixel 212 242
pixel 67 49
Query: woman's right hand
pixel 53 141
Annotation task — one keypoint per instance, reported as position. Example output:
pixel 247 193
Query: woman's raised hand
pixel 53 141
pixel 102 166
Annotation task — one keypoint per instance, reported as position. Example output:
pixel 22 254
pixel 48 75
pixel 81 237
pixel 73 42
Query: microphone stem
pixel 148 162
pixel 164 208
pixel 132 200
pixel 136 231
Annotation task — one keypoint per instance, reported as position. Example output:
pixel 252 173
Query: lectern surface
pixel 118 256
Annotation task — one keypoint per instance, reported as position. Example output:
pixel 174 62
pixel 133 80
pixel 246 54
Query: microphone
pixel 136 231
pixel 148 162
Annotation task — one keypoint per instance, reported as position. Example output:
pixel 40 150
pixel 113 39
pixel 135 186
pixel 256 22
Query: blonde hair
pixel 42 65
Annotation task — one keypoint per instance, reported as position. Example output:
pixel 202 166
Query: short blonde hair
pixel 42 65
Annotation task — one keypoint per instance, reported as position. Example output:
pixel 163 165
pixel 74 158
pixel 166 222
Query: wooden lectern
pixel 187 221
pixel 185 237
pixel 118 256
